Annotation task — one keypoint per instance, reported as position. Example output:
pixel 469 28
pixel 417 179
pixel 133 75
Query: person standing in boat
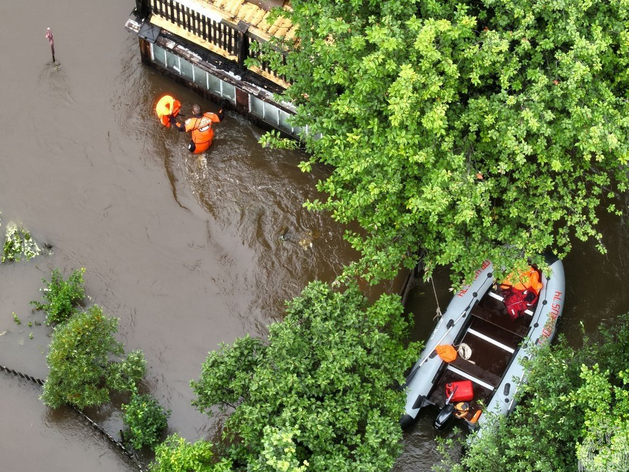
pixel 199 125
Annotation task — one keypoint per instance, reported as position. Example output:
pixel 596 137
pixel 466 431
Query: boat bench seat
pixel 476 371
pixel 502 321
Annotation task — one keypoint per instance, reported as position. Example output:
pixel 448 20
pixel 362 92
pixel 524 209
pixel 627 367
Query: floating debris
pixel 19 243
pixel 306 241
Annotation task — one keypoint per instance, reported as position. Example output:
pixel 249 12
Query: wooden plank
pixel 475 371
pixel 257 17
pixel 502 321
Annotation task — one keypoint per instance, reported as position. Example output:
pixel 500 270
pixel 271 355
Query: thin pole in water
pixel 51 40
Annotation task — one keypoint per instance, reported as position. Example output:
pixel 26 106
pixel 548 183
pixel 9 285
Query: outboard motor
pixel 444 417
pixel 446 413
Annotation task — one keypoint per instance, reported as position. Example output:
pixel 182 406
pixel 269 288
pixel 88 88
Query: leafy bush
pixel 280 451
pixel 176 454
pixel 123 376
pixel 80 365
pixel 145 420
pixel 321 390
pixel 63 296
pixel 18 243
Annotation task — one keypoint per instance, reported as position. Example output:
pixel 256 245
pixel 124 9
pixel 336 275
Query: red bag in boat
pixel 517 301
pixel 463 391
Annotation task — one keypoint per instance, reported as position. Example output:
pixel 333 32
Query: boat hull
pixel 496 376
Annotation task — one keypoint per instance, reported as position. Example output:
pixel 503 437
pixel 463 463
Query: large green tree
pixel 319 394
pixel 458 128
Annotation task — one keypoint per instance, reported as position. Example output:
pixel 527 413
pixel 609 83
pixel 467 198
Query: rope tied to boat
pixel 434 291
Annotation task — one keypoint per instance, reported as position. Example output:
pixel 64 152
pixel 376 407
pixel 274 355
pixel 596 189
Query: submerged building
pixel 203 45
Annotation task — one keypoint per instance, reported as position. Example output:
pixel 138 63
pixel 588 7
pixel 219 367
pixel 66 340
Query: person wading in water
pixel 199 125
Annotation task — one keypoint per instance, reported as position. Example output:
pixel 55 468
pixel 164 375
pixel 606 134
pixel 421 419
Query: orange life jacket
pixel 529 281
pixel 201 131
pixel 167 107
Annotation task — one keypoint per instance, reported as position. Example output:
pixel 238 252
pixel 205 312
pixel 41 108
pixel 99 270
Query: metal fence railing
pixel 91 422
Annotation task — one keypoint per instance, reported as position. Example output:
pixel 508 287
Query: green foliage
pixel 63 296
pixel 456 124
pixel 605 443
pixel 320 393
pixel 145 420
pixel 18 243
pixel 226 374
pixel 275 140
pixel 572 409
pixel 124 375
pixel 80 365
pixel 175 454
pixel 280 452
pixel 605 400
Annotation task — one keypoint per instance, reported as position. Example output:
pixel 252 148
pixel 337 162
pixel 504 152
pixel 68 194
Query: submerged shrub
pixel 145 420
pixel 123 376
pixel 18 243
pixel 321 393
pixel 63 296
pixel 82 362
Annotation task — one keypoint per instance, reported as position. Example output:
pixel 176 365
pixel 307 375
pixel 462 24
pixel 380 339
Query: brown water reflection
pixel 188 254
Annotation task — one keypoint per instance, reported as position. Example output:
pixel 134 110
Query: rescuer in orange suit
pixel 200 128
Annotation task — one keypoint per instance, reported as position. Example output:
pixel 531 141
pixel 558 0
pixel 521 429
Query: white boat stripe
pixel 470 377
pixel 490 340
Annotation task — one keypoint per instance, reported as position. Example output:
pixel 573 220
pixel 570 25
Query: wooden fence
pixel 232 40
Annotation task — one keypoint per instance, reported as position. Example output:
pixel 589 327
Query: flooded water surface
pixel 188 253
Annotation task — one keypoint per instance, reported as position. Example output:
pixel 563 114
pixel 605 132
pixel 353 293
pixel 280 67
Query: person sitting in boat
pixel 200 128
pixel 522 295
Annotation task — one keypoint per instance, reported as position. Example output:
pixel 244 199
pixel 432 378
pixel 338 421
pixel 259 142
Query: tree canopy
pixel 458 129
pixel 321 393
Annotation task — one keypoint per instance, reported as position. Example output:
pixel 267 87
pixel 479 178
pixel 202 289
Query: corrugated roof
pixel 253 13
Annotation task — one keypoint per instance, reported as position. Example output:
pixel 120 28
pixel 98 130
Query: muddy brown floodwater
pixel 187 253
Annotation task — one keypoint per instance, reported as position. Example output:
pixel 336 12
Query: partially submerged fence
pixel 87 419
